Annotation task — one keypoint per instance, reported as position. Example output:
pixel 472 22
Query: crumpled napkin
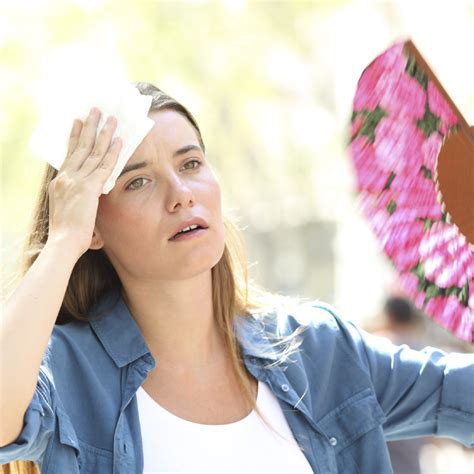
pixel 120 99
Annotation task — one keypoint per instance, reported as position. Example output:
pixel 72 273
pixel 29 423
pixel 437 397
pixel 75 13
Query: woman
pixel 164 358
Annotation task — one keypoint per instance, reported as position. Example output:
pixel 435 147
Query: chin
pixel 189 265
pixel 195 265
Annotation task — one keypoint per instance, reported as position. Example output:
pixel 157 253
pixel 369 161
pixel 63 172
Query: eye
pixel 134 188
pixel 198 163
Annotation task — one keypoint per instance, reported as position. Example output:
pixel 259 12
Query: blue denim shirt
pixel 343 392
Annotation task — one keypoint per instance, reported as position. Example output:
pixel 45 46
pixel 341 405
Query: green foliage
pixel 415 71
pixel 391 207
pixel 389 180
pixel 371 120
pixel 429 123
pixel 426 172
pixel 432 290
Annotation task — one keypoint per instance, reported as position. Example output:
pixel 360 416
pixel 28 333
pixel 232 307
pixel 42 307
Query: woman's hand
pixel 74 193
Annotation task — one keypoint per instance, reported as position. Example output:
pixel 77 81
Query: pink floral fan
pixel 402 121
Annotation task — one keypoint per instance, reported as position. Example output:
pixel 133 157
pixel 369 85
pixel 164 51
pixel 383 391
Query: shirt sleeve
pixel 422 393
pixel 38 424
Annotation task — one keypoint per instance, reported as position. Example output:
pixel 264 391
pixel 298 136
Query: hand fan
pixel 413 155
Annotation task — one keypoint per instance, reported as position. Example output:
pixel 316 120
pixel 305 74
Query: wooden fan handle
pixel 455 167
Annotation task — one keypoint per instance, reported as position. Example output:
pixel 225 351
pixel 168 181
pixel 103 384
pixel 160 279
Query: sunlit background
pixel 271 85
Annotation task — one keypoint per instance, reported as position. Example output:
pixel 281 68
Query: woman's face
pixel 148 205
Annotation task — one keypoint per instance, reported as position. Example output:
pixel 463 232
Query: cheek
pixel 107 213
pixel 215 196
pixel 112 218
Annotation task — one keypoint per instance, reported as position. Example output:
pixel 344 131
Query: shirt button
pixel 285 387
pixel 332 441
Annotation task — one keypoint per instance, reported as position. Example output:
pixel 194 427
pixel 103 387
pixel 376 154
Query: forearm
pixel 27 323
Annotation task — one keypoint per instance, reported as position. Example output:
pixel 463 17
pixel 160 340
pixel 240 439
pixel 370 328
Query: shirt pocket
pixel 89 459
pixel 63 453
pixel 67 433
pixel 94 459
pixel 352 419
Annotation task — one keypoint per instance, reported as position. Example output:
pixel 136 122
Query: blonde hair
pixel 232 291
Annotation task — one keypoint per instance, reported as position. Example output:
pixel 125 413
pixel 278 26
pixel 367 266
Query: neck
pixel 177 321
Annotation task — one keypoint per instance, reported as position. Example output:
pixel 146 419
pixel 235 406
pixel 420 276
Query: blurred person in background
pixel 403 322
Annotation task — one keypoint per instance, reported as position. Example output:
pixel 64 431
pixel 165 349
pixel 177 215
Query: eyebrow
pixel 143 164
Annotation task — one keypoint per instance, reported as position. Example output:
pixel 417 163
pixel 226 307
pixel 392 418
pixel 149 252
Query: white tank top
pixel 172 444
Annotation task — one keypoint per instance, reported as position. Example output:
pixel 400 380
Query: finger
pixel 101 146
pixel 87 138
pixel 73 140
pixel 74 136
pixel 105 167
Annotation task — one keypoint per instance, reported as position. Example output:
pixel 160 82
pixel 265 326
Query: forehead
pixel 172 131
pixel 171 124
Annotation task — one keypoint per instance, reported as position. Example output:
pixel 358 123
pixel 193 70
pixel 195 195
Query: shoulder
pixel 314 346
pixel 316 318
pixel 72 336
pixel 317 325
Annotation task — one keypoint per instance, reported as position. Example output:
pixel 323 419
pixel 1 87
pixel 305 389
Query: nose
pixel 180 194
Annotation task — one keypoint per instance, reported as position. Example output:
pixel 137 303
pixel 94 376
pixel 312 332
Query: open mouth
pixel 188 232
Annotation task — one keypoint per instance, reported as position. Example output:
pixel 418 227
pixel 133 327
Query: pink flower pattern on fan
pixel 415 191
pixel 373 177
pixel 399 240
pixel 404 96
pixel 440 107
pixel 448 260
pixel 470 302
pixel 356 125
pixel 409 282
pixel 370 93
pixel 398 125
pixel 451 315
pixel 430 149
pixel 398 146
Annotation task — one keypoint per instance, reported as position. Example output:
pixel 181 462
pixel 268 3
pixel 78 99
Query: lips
pixel 188 235
pixel 199 221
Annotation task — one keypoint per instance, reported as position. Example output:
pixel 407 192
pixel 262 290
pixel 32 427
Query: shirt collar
pixel 123 340
pixel 116 329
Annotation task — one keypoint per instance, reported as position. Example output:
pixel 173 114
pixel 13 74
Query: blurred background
pixel 271 85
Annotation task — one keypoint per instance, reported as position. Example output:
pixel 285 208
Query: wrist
pixel 63 247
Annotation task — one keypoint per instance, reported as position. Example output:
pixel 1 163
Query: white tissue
pixel 118 98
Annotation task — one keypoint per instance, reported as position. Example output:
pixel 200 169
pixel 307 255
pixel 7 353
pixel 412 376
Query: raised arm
pixel 427 392
pixel 31 311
